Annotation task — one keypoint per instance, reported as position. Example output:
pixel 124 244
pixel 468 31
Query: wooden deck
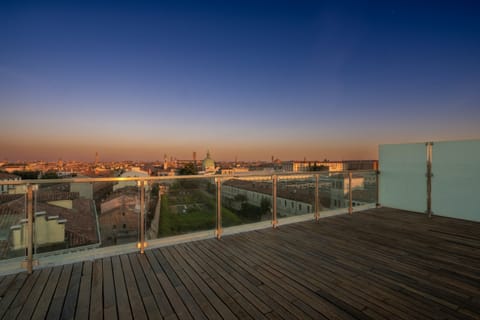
pixel 381 263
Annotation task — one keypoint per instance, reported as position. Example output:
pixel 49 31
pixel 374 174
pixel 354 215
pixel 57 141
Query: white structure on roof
pixel 135 172
pixel 5 188
pixel 48 230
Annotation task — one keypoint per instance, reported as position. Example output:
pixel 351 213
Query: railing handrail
pixel 179 177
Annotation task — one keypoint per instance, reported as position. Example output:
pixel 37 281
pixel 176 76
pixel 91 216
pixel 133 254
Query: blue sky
pixel 252 79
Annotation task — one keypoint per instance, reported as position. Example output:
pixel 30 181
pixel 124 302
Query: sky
pixel 247 79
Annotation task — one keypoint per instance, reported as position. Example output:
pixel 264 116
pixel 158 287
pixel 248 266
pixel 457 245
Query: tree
pixel 50 175
pixel 318 168
pixel 27 175
pixel 265 205
pixel 188 169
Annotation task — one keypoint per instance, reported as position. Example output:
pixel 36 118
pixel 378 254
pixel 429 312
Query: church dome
pixel 208 164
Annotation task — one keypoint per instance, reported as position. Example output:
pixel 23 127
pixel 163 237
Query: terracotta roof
pixel 302 195
pixel 8 176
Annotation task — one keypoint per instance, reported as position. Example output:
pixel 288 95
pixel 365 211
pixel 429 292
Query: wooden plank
pixel 237 303
pixel 170 292
pixel 194 287
pixel 5 284
pixel 151 307
pixel 249 301
pixel 215 290
pixel 14 287
pixel 157 291
pixel 96 295
pixel 382 263
pixel 70 303
pixel 83 304
pixel 47 294
pixel 22 296
pixel 28 307
pixel 56 304
pixel 288 268
pixel 109 300
pixel 136 303
pixel 321 305
pixel 186 296
pixel 227 254
pixel 121 294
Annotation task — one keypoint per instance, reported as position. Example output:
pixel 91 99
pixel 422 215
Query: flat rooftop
pixel 379 263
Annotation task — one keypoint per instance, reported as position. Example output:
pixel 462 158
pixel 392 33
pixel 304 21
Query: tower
pixel 165 162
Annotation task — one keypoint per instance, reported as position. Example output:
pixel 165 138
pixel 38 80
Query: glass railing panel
pixel 13 223
pixel 180 206
pixel 325 189
pixel 246 200
pixel 117 205
pixel 65 217
pixel 339 197
pixel 366 193
pixel 295 195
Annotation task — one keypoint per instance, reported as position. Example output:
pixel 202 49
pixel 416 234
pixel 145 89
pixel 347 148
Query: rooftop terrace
pixel 379 263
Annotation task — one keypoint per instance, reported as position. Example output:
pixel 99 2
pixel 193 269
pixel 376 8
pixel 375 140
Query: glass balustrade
pixel 76 214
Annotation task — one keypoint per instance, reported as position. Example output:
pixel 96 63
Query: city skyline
pixel 314 79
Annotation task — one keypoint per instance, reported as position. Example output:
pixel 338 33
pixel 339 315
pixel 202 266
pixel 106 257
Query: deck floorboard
pixel 377 264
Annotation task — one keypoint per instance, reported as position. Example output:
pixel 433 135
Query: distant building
pixel 234 171
pixel 339 190
pixel 134 172
pixel 330 166
pixel 5 177
pixel 289 201
pixel 119 216
pixel 11 167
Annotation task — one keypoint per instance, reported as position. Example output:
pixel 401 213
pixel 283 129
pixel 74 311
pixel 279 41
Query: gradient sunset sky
pixel 294 79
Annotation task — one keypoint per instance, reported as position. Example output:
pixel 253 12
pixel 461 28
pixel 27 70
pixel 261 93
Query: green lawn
pixel 198 217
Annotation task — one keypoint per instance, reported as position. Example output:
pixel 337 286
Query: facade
pixel 330 166
pixel 12 189
pixel 234 171
pixel 119 216
pixel 339 190
pixel 303 166
pixel 289 202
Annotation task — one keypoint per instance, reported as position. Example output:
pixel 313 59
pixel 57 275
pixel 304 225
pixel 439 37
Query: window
pixel 299 207
pixel 124 226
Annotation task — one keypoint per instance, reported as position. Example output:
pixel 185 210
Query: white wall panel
pixel 456 179
pixel 402 176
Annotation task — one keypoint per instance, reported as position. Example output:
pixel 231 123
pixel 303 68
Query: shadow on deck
pixel 380 263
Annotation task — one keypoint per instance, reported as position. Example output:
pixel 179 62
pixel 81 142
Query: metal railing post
pixel 218 227
pixel 28 262
pixel 317 200
pixel 350 208
pixel 274 201
pixel 429 178
pixel 377 180
pixel 142 217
